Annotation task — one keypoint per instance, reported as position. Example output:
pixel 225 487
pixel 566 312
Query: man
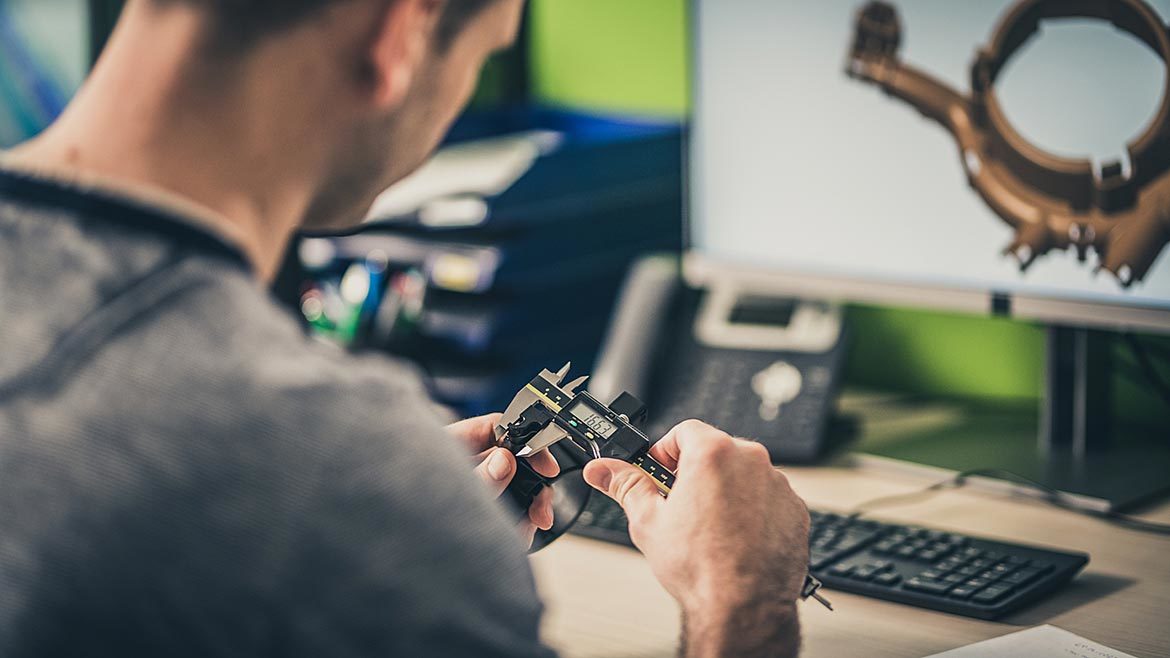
pixel 182 473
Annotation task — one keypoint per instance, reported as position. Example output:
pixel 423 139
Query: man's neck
pixel 142 126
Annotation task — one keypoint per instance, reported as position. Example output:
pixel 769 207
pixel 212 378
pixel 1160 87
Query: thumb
pixel 628 485
pixel 496 470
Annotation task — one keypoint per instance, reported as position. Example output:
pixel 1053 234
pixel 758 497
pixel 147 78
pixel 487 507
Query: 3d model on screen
pixel 1121 210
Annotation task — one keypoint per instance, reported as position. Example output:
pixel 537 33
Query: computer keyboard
pixel 927 568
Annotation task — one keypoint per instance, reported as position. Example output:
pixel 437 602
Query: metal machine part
pixel 544 413
pixel 1121 210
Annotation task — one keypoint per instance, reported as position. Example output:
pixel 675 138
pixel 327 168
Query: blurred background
pixel 597 93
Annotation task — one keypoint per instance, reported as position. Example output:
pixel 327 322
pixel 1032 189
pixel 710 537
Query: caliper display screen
pixel 592 418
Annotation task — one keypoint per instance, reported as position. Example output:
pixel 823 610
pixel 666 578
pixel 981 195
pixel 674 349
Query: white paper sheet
pixel 480 168
pixel 1038 642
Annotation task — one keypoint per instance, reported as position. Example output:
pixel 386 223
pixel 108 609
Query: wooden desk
pixel 603 601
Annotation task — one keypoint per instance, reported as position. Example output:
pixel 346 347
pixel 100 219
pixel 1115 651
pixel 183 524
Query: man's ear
pixel 400 45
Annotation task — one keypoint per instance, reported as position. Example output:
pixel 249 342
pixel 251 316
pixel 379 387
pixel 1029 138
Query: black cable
pixel 1146 364
pixel 1049 495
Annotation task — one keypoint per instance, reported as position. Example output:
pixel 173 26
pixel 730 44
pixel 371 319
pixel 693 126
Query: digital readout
pixel 594 420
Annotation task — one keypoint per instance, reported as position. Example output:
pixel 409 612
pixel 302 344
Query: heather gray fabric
pixel 183 473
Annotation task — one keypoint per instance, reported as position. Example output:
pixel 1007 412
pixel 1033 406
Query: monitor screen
pixel 799 166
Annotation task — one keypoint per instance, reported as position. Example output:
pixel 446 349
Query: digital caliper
pixel 544 413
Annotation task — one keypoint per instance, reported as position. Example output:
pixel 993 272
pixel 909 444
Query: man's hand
pixel 730 543
pixel 496 467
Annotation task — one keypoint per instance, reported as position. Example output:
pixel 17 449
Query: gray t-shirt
pixel 184 473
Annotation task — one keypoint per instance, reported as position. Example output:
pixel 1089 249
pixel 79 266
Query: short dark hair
pixel 240 23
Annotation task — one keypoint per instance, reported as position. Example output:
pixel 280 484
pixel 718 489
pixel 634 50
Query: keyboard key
pixel 852 543
pixel 992 594
pixel 978 583
pixel 862 573
pixel 954 578
pixel 942 548
pixel 948 564
pixel 841 569
pixel 968 570
pixel 888 578
pixel 818 559
pixel 935 587
pixel 962 592
pixel 1022 577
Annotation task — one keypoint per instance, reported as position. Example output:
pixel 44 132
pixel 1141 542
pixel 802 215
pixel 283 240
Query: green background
pixel 630 57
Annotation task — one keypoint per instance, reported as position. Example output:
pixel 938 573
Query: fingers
pixel 527 533
pixel 540 517
pixel 669 449
pixel 628 485
pixel 701 442
pixel 541 511
pixel 496 470
pixel 476 433
pixel 544 463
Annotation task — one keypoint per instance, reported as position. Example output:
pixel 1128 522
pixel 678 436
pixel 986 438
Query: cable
pixel 1147 367
pixel 1049 495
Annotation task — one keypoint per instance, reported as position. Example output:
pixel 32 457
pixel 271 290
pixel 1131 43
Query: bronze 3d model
pixel 1121 210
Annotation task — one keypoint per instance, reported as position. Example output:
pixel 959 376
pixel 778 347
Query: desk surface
pixel 603 601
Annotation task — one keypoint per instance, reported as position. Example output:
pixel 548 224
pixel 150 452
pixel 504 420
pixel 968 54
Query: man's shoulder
pixel 224 329
pixel 217 362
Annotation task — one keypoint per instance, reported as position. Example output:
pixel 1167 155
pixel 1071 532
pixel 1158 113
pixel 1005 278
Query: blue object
pixel 46 96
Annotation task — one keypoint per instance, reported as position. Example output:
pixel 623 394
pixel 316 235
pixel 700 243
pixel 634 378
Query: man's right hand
pixel 730 543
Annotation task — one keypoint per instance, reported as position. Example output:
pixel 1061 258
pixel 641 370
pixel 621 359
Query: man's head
pixel 241 23
pixel 368 86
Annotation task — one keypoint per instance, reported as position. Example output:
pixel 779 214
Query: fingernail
pixel 547 518
pixel 498 466
pixel 599 477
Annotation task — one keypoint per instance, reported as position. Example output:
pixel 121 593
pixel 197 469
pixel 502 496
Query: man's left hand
pixel 496 467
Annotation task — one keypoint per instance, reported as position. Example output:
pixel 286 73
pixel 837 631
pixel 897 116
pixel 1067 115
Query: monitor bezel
pixel 702 270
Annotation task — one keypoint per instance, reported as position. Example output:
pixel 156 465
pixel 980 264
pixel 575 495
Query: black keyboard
pixel 927 568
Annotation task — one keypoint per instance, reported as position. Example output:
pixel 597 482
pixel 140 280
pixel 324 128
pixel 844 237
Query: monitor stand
pixel 1082 450
pixel 1076 445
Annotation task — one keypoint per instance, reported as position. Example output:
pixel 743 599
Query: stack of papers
pixel 1039 642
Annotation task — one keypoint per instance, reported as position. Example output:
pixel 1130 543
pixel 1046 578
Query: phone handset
pixel 635 333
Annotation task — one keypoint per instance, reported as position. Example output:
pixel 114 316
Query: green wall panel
pixel 945 354
pixel 611 55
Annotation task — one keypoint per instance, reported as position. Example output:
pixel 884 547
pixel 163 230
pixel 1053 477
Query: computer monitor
pixel 1008 157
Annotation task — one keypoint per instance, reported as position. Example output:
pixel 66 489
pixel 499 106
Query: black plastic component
pixel 630 407
pixel 525 487
pixel 534 419
pixel 626 444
